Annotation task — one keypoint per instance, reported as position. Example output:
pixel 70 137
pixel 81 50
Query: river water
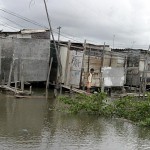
pixel 34 124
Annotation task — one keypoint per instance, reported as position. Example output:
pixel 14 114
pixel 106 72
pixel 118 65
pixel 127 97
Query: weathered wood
pixel 15 91
pixel 83 86
pixel 102 63
pixel 29 97
pixel 67 70
pixel 47 82
pixel 22 77
pixel 132 94
pixel 49 70
pixel 145 74
pixel 74 89
pixel 10 72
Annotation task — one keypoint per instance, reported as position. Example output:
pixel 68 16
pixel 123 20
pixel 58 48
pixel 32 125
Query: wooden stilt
pixel 47 82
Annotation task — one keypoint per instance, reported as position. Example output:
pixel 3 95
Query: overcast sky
pixel 97 21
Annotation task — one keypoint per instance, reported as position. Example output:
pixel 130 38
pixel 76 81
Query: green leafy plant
pixel 127 107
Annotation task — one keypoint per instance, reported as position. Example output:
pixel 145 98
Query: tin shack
pixel 24 55
pixel 78 58
pixel 138 67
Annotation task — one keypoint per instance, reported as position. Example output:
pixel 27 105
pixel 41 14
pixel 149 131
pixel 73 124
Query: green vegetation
pixel 127 107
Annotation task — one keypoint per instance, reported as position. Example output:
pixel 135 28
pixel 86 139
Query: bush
pixel 88 103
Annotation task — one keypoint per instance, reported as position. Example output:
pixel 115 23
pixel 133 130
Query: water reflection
pixel 33 124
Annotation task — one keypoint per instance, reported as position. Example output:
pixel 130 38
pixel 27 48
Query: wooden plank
pixel 10 72
pixel 74 89
pixel 12 89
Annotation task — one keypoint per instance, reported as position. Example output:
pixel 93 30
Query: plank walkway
pixel 75 90
pixel 128 94
pixel 15 91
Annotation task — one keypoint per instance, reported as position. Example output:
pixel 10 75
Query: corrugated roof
pixel 28 31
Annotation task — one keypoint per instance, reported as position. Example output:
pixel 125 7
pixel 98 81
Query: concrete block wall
pixel 31 57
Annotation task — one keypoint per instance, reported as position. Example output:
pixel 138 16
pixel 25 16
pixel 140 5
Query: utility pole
pixel 49 68
pixel 58 73
pixel 57 53
pixel 56 48
pixel 59 38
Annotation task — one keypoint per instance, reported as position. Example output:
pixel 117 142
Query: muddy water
pixel 33 124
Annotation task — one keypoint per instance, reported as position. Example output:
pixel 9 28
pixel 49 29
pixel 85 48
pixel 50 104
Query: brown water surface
pixel 33 124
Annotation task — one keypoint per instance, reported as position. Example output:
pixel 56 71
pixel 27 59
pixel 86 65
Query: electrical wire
pixel 23 18
pixel 68 36
pixel 7 26
pixel 12 21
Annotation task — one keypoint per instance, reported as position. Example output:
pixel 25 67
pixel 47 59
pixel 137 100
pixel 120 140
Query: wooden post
pixel 67 74
pixel 10 72
pixel 89 52
pixel 60 89
pixel 131 81
pixel 145 73
pixel 51 31
pixel 110 63
pixel 15 77
pixel 83 71
pixel 58 71
pixel 30 90
pixel 143 81
pixel 102 63
pixel 125 72
pixel 22 77
pixel 47 82
pixel 57 53
pixel 140 78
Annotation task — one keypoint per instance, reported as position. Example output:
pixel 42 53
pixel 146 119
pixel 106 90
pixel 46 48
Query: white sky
pixel 97 21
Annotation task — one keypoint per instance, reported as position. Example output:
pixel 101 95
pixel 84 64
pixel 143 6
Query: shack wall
pixel 100 59
pixel 137 69
pixel 30 56
pixel 113 76
pixel 34 56
pixel 72 72
pixel 6 46
pixel 75 68
pixel 63 57
pixel 92 62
